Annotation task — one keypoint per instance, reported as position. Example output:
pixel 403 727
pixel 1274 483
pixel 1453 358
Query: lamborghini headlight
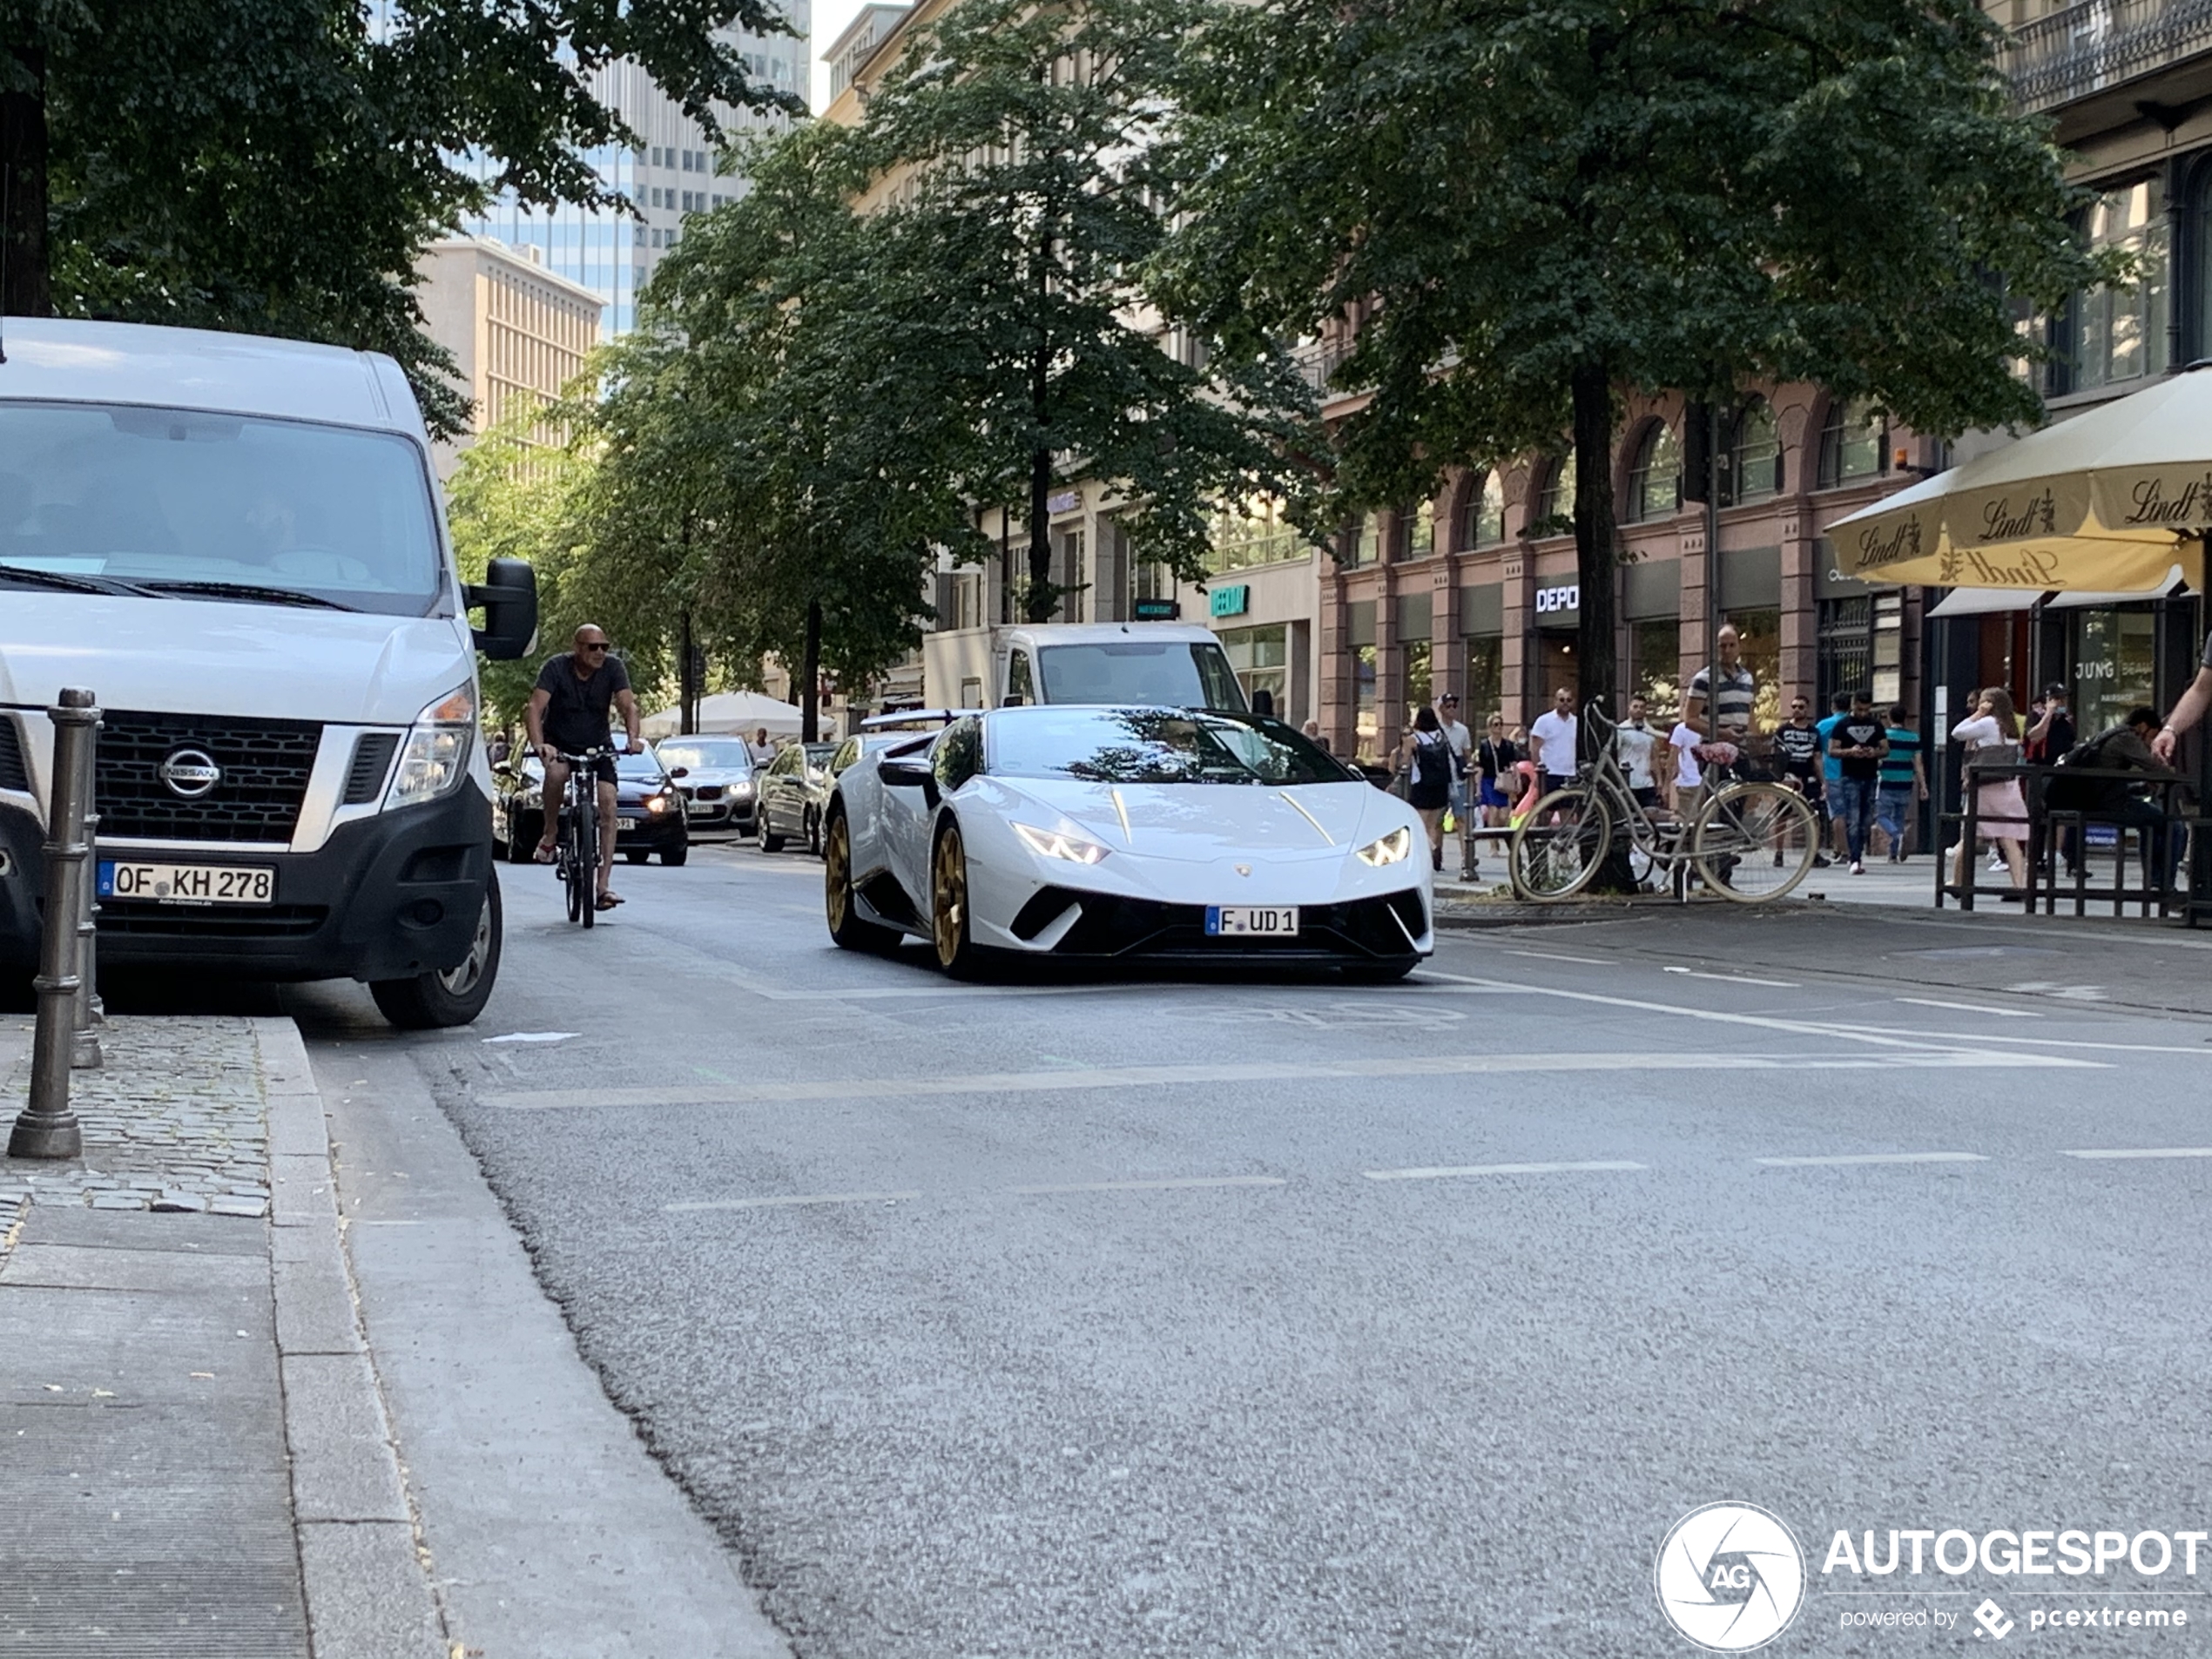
pixel 1389 849
pixel 1058 844
pixel 436 756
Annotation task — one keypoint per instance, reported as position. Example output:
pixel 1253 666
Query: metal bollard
pixel 46 1128
pixel 85 1053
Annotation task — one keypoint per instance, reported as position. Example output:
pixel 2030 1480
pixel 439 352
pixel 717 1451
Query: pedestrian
pixel 1737 690
pixel 2127 746
pixel 1552 740
pixel 1494 759
pixel 1831 770
pixel 760 749
pixel 1263 704
pixel 1804 752
pixel 1860 740
pixel 2187 712
pixel 1426 757
pixel 2053 734
pixel 1311 732
pixel 1637 743
pixel 1689 777
pixel 1903 783
pixel 1992 736
pixel 1462 742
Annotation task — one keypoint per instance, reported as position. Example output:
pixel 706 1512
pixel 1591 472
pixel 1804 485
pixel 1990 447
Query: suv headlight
pixel 1388 849
pixel 1058 844
pixel 436 756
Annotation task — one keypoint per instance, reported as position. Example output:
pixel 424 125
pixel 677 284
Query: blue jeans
pixel 1892 810
pixel 1852 801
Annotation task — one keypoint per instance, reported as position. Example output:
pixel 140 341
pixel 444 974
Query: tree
pixel 1531 205
pixel 1017 142
pixel 275 166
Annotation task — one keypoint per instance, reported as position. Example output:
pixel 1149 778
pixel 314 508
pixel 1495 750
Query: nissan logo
pixel 189 773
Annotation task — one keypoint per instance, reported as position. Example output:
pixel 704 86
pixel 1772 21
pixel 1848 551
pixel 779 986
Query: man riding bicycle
pixel 568 714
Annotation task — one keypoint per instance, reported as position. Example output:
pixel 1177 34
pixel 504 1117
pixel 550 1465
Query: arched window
pixel 1420 529
pixel 1755 454
pixel 1654 482
pixel 1852 443
pixel 1482 519
pixel 1556 502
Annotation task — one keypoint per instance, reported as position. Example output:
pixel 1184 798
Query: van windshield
pixel 183 504
pixel 1175 673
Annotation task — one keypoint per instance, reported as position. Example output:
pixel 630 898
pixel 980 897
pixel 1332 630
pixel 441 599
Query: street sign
pixel 1155 610
pixel 1231 601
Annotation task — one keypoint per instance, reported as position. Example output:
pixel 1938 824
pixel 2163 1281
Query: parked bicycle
pixel 1749 841
pixel 575 854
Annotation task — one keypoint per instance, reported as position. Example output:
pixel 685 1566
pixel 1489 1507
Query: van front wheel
pixel 451 995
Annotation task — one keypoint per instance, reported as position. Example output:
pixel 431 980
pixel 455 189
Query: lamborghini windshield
pixel 1154 746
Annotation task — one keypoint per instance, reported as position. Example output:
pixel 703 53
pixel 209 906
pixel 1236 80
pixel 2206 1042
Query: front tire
pixel 1559 846
pixel 524 833
pixel 814 832
pixel 635 856
pixel 673 857
pixel 957 952
pixel 847 928
pixel 453 996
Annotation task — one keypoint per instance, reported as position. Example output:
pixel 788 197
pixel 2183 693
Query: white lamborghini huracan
pixel 1148 832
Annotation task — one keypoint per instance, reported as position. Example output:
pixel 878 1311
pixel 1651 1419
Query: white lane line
pixel 1732 979
pixel 1171 1186
pixel 1446 1172
pixel 2141 1152
pixel 1971 1008
pixel 784 1202
pixel 1556 956
pixel 1364 1070
pixel 1873 1157
pixel 2040 1043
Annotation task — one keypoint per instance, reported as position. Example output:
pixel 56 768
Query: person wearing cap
pixel 1447 715
pixel 2053 734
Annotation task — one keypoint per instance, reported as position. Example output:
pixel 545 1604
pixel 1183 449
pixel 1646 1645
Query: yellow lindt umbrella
pixel 2109 501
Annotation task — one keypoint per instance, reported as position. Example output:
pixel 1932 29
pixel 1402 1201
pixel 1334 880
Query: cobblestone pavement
pixel 174 1121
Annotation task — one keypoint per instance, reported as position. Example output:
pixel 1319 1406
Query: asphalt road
pixel 1255 1317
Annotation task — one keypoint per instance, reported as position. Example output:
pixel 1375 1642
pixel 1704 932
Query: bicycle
pixel 1749 841
pixel 576 854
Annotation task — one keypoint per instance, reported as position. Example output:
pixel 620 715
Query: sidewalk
pixel 198 1460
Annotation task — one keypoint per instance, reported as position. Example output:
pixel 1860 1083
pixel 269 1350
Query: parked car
pixel 790 796
pixel 718 793
pixel 647 801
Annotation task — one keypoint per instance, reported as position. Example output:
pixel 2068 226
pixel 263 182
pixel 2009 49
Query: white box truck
pixel 238 545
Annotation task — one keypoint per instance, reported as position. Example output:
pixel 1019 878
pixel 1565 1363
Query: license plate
pixel 1248 922
pixel 188 883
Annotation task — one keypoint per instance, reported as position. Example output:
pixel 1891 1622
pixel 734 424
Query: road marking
pixel 784 1202
pixel 2041 1042
pixel 536 1037
pixel 2141 1152
pixel 1970 1008
pixel 1446 1172
pixel 1363 1070
pixel 1731 979
pixel 1874 1157
pixel 1170 1185
pixel 1556 956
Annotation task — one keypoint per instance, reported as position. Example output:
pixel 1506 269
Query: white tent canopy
pixel 741 712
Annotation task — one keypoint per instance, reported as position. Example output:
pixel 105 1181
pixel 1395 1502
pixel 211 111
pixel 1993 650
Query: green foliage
pixel 274 166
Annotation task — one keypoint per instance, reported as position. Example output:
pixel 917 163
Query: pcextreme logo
pixel 1731 1577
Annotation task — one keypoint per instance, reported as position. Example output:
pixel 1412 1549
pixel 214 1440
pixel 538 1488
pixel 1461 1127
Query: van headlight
pixel 436 756
pixel 1388 849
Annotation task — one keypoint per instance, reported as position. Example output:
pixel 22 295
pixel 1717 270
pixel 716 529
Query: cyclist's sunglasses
pixel 597 644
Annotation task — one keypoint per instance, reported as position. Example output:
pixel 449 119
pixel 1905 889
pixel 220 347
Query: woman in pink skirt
pixel 1992 734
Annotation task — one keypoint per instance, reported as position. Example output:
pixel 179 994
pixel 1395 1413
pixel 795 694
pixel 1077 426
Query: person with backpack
pixel 1428 760
pixel 2129 746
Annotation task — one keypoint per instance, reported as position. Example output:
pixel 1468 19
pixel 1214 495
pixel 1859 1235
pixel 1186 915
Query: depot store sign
pixel 1551 601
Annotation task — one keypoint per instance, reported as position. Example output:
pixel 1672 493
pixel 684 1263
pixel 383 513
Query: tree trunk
pixel 1043 597
pixel 809 694
pixel 687 682
pixel 1597 669
pixel 25 290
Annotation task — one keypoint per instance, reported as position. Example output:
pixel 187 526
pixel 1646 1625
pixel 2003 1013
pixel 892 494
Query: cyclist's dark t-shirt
pixel 576 717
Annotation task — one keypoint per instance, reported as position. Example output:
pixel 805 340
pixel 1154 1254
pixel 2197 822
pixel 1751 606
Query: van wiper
pixel 245 591
pixel 66 582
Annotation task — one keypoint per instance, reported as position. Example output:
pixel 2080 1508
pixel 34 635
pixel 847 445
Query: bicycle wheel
pixel 587 862
pixel 1559 847
pixel 1755 841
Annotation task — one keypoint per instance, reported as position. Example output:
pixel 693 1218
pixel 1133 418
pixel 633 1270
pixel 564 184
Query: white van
pixel 1166 663
pixel 236 545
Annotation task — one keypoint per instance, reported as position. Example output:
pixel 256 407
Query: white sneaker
pixel 1857 868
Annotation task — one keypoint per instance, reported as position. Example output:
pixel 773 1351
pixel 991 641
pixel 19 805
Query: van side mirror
pixel 508 598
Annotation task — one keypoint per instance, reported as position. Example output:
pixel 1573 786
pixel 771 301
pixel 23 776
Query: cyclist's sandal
pixel 609 901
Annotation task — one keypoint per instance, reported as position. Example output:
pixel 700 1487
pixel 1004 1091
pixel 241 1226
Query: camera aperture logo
pixel 1731 1577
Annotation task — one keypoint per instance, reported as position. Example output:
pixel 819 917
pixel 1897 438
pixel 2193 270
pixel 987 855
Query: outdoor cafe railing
pixel 2049 827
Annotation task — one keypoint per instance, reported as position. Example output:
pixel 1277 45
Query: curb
pixel 361 1559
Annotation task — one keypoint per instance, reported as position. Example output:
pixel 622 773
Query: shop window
pixel 1366 734
pixel 1486 680
pixel 1655 666
pixel 1420 529
pixel 1554 513
pixel 1755 456
pixel 1483 520
pixel 1853 443
pixel 2114 334
pixel 2114 658
pixel 1655 479
pixel 1261 658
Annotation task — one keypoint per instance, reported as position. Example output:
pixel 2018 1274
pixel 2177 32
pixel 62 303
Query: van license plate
pixel 188 883
pixel 1249 921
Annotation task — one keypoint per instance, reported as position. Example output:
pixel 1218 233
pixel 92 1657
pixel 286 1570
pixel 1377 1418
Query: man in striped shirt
pixel 1734 697
pixel 1903 782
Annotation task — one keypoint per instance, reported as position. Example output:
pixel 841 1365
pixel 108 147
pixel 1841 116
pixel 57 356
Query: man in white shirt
pixel 760 749
pixel 1688 778
pixel 1551 742
pixel 1635 742
pixel 1462 742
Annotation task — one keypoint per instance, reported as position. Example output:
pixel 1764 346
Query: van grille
pixel 13 774
pixel 266 765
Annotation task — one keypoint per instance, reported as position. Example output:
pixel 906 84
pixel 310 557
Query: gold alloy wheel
pixel 949 900
pixel 837 871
